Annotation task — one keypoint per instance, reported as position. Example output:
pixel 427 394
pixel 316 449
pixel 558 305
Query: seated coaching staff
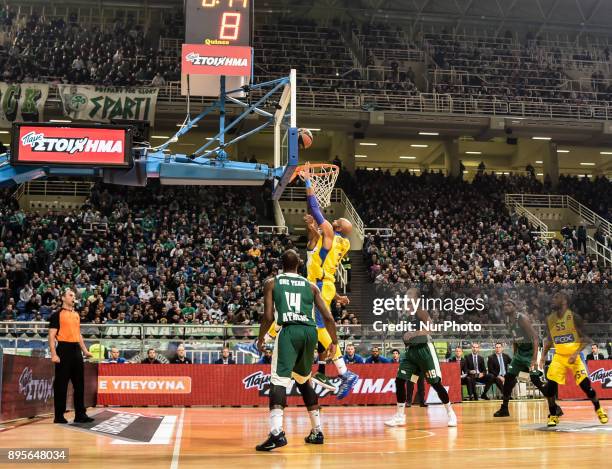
pixel 65 328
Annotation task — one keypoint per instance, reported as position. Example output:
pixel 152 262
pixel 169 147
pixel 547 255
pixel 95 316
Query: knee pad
pixel 278 397
pixel 308 395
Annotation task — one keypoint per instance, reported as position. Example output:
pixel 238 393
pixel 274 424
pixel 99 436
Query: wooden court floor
pixel 355 438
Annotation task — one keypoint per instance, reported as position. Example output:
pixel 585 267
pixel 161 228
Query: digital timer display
pixel 218 22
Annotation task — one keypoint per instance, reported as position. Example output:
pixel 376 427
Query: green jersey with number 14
pixel 293 300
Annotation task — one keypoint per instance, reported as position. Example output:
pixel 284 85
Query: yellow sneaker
pixel 553 421
pixel 603 417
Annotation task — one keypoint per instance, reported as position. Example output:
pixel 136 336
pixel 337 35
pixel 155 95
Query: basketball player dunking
pixel 327 244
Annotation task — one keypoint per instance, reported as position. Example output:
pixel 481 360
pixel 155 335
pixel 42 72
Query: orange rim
pixel 327 166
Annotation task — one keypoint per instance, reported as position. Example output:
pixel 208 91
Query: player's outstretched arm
pixel 268 315
pixel 315 210
pixel 313 232
pixel 328 319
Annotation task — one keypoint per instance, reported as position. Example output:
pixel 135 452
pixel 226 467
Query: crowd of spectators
pixel 160 255
pixel 70 51
pixel 460 235
pixel 60 51
pixel 192 256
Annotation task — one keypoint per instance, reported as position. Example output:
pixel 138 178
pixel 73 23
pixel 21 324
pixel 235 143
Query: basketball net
pixel 323 177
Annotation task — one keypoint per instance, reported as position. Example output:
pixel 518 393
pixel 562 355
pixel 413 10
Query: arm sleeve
pixel 315 210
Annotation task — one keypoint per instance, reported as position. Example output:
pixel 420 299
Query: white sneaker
pixel 397 420
pixel 452 418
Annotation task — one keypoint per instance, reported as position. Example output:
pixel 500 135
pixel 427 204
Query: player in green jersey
pixel 290 300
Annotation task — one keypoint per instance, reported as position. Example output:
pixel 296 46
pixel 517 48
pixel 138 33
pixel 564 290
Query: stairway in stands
pixel 359 287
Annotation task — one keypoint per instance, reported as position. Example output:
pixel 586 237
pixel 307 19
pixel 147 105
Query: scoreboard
pixel 218 22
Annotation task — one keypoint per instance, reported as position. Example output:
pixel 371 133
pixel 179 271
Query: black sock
pixel 400 390
pixel 509 384
pixel 442 393
pixel 585 385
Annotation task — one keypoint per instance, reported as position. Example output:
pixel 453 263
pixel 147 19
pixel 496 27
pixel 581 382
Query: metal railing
pixel 427 103
pixel 562 201
pixel 298 194
pixel 357 221
pixel 272 229
pixel 207 340
pixel 382 232
pixel 517 203
pixel 55 188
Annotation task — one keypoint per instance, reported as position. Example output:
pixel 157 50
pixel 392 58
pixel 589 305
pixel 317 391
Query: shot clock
pixel 218 22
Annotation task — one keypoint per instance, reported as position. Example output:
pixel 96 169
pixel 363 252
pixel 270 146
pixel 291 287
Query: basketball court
pixel 355 436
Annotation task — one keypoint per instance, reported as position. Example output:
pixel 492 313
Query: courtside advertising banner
pixel 600 372
pixel 27 386
pixel 23 102
pixel 235 385
pixel 200 59
pixel 105 103
pixel 71 145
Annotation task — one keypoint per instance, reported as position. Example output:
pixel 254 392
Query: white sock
pixel 339 362
pixel 400 408
pixel 276 421
pixel 315 420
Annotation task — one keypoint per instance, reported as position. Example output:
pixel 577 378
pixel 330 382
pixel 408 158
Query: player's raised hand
pixel 305 172
pixel 343 300
pixel 309 220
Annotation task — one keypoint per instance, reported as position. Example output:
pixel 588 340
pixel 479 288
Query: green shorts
pixel 293 354
pixel 419 359
pixel 521 361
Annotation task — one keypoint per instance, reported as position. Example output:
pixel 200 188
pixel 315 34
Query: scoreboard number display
pixel 218 22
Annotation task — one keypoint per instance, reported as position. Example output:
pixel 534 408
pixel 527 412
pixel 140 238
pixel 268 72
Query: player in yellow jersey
pixel 327 244
pixel 565 332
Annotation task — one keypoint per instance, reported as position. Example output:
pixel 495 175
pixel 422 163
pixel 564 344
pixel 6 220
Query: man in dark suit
pixel 225 358
pixel 497 364
pixel 595 354
pixel 476 371
pixel 458 357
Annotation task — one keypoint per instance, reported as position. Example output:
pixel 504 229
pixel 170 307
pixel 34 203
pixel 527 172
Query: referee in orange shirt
pixel 65 328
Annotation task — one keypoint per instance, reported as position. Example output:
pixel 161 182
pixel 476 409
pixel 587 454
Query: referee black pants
pixel 70 368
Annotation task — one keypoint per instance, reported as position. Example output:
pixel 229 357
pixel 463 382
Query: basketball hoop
pixel 323 177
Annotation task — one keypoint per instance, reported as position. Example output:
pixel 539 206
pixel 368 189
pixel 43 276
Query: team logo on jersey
pixel 565 339
pixel 196 59
pixel 71 145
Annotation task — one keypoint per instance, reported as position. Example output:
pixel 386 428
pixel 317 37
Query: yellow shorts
pixel 328 293
pixel 325 341
pixel 557 371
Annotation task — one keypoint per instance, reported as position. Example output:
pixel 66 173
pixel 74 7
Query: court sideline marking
pixel 177 441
